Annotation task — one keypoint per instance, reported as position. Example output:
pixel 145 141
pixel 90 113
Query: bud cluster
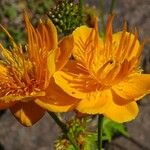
pixel 66 17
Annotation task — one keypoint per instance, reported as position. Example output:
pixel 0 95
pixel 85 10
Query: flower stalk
pixel 101 3
pixel 64 129
pixel 81 7
pixel 58 122
pixel 112 5
pixel 99 134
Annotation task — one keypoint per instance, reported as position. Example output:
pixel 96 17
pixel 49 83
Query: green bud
pixel 66 16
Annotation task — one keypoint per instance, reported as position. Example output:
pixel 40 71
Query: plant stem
pixel 112 6
pixel 100 128
pixel 64 129
pixel 101 2
pixel 81 7
pixel 59 123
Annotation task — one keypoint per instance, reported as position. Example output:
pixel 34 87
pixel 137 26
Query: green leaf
pixel 111 128
pixel 90 142
pixel 71 147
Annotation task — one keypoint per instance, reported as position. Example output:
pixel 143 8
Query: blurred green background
pixel 11 15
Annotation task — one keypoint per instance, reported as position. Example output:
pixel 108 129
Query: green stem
pixel 100 128
pixel 101 2
pixel 59 123
pixel 112 5
pixel 64 129
pixel 81 7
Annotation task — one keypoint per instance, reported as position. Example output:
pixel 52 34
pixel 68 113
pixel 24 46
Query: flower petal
pixel 88 47
pixel 6 99
pixel 70 83
pixel 126 44
pixel 95 102
pixel 121 113
pixel 3 70
pixel 56 99
pixel 48 34
pixel 27 113
pixel 44 36
pixel 16 98
pixel 4 105
pixel 120 100
pixel 66 46
pixel 51 61
pixel 81 35
pixel 135 86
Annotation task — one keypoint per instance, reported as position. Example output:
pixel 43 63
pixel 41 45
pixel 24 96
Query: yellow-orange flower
pixel 26 73
pixel 105 74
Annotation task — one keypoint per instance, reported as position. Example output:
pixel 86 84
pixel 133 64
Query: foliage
pixel 10 14
pixel 40 7
pixel 112 129
pixel 86 139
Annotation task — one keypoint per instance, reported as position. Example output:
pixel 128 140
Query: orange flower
pixel 26 73
pixel 105 74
